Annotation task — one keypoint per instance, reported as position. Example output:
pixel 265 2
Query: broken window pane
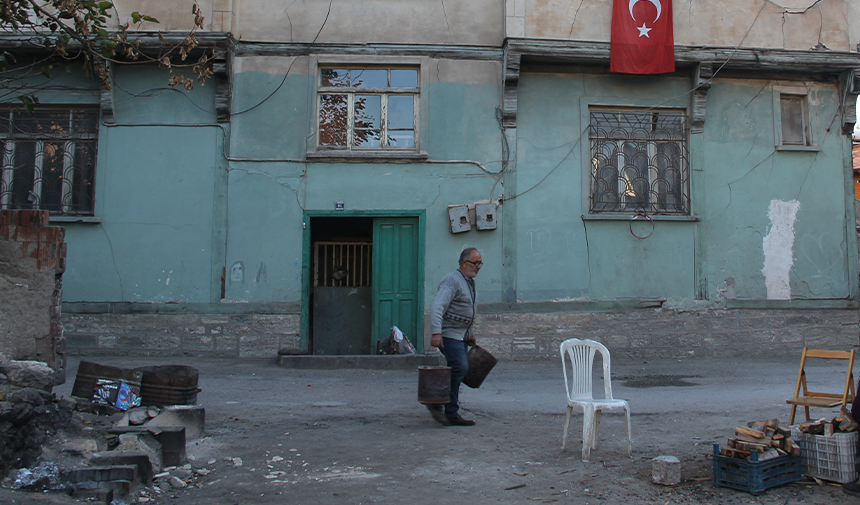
pixel 334 117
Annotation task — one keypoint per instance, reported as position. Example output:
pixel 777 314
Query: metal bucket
pixel 480 364
pixel 434 385
pixel 88 373
pixel 168 385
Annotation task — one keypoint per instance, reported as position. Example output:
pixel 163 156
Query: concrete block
pixel 93 495
pixel 102 473
pixel 666 470
pixel 171 438
pixel 192 417
pixel 138 459
pixel 145 443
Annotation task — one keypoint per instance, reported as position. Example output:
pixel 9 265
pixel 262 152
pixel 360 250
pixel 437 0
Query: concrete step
pixel 373 362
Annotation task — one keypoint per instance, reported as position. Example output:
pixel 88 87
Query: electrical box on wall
pixel 458 216
pixel 485 214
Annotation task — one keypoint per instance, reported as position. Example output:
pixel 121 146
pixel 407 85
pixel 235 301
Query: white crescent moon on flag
pixel 656 4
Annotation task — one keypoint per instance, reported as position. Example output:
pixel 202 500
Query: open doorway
pixel 363 275
pixel 342 275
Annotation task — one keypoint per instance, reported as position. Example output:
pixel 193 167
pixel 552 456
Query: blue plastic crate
pixel 755 476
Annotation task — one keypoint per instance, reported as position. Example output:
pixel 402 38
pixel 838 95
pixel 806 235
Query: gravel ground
pixel 276 435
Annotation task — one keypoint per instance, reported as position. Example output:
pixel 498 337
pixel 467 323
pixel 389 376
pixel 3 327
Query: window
pixel 795 120
pixel 367 109
pixel 639 162
pixel 49 159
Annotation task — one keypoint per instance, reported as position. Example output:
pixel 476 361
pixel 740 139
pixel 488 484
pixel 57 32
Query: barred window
pixel 49 159
pixel 367 108
pixel 639 162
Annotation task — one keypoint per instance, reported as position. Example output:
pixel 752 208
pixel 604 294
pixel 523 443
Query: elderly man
pixel 451 318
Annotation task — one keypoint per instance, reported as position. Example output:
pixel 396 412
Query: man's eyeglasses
pixel 476 263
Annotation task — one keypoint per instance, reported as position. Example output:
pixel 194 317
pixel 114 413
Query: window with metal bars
pixel 367 109
pixel 639 161
pixel 342 264
pixel 49 158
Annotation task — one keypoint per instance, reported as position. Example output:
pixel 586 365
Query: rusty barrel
pixel 168 385
pixel 434 385
pixel 88 373
pixel 480 364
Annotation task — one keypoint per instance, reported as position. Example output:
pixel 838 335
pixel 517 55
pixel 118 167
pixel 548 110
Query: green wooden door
pixel 395 278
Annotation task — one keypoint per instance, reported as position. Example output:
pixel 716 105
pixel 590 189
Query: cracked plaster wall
pixel 776 24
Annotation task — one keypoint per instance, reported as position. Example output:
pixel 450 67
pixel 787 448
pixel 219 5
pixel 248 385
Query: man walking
pixel 451 318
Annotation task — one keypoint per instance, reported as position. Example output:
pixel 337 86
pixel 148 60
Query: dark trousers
pixel 455 354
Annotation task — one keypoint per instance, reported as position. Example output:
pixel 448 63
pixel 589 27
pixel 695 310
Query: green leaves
pixel 137 17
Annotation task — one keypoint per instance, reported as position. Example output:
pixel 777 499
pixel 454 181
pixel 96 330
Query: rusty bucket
pixel 480 364
pixel 434 385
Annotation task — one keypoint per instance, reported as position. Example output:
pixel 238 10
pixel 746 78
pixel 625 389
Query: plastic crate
pixel 754 476
pixel 832 458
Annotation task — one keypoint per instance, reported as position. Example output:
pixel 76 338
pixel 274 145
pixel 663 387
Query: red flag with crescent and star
pixel 642 37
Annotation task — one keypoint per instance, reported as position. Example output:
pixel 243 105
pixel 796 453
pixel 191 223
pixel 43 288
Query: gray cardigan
pixel 454 308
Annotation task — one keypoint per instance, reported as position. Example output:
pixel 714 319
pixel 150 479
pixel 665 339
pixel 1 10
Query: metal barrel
pixel 480 364
pixel 168 385
pixel 434 385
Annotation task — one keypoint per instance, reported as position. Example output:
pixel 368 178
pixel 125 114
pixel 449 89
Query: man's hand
pixel 472 340
pixel 436 340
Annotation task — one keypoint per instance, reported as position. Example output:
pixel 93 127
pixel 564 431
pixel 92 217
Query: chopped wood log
pixel 749 431
pixel 755 440
pixel 847 424
pixel 735 453
pixel 750 446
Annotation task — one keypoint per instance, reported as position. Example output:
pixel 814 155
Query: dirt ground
pixel 277 435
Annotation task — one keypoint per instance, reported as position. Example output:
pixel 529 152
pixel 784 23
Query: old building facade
pixel 314 191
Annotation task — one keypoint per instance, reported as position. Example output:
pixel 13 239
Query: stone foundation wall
pixel 32 262
pixel 667 333
pixel 520 332
pixel 183 334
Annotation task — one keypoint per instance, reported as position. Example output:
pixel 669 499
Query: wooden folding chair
pixel 802 396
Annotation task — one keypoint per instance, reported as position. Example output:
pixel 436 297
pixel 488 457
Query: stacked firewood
pixel 843 423
pixel 764 437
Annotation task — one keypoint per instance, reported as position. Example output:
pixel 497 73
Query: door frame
pixel 306 262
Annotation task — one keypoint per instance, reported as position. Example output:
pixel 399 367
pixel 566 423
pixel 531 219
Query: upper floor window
pixel 639 161
pixel 49 158
pixel 795 120
pixel 367 108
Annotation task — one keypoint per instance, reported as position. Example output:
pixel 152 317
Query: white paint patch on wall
pixel 778 247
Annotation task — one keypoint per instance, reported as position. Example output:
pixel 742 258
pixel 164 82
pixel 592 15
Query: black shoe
pixel 438 413
pixel 459 421
pixel 851 488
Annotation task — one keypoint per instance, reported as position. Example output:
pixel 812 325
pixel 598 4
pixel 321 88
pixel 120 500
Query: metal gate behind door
pixel 342 264
pixel 343 302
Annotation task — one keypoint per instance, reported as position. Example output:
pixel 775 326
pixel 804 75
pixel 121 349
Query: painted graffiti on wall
pixel 778 247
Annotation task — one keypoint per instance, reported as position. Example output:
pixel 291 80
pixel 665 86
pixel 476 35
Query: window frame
pixel 315 61
pixel 69 140
pixel 810 142
pixel 626 209
pixel 351 93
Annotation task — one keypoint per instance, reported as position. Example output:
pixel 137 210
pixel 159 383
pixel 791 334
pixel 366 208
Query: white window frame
pixel 9 140
pixel 384 93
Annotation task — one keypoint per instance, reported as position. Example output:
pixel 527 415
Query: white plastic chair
pixel 579 354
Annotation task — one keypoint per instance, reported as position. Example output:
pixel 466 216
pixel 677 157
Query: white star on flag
pixel 643 31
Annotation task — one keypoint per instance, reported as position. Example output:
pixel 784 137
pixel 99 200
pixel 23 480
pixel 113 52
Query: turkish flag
pixel 642 37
